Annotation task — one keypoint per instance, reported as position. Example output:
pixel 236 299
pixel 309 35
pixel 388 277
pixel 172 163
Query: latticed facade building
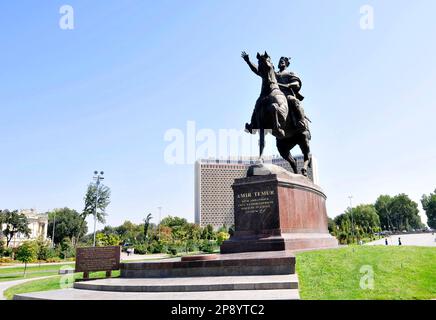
pixel 213 186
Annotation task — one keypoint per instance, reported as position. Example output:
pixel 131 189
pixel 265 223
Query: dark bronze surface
pixel 279 109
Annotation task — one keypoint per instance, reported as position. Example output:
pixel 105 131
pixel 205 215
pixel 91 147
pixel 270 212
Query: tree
pixel 366 220
pixel 208 233
pixel 398 213
pixel 405 213
pixel 429 204
pixel 67 249
pixel 383 206
pixel 173 222
pixel 26 253
pixel 147 224
pixel 102 202
pixel 2 247
pixel 331 226
pixel 14 223
pixel 68 224
pixel 129 232
pixel 42 249
pixel 177 226
pixel 357 222
pixel 107 239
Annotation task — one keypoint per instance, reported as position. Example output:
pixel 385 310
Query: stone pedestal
pixel 281 211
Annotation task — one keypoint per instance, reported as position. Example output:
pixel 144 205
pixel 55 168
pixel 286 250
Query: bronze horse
pixel 273 113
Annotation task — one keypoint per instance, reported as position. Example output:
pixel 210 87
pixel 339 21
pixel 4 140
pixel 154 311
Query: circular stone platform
pixel 203 257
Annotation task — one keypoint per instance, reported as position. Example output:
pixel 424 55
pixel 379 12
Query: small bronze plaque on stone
pixel 91 259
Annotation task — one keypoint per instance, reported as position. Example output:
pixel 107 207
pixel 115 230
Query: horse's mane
pixel 271 74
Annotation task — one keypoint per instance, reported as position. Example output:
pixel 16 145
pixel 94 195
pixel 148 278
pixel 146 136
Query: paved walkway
pixel 7 284
pixel 17 265
pixel 124 257
pixel 419 239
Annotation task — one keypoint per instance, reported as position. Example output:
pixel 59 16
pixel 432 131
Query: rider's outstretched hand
pixel 245 56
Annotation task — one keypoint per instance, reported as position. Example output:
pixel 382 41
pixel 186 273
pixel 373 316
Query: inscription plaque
pixel 255 202
pixel 90 259
pixel 256 208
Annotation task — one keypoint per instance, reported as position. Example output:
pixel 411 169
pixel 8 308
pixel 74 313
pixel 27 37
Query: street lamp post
pixel 97 178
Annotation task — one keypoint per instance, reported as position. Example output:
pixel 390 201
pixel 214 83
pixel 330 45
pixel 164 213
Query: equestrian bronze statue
pixel 279 110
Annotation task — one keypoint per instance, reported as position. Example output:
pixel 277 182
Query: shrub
pixel 158 247
pixel 192 246
pixel 221 237
pixel 208 246
pixel 44 251
pixel 6 260
pixel 7 252
pixel 141 249
pixel 67 249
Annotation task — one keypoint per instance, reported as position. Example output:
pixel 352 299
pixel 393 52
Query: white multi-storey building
pixel 213 186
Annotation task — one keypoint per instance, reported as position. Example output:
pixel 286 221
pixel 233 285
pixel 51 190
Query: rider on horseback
pixel 279 108
pixel 290 85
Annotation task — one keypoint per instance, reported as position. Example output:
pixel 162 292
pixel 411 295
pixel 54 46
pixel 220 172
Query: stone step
pixel 239 264
pixel 192 284
pixel 77 294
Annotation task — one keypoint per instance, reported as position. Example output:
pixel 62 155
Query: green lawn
pixel 52 283
pixel 399 273
pixel 16 273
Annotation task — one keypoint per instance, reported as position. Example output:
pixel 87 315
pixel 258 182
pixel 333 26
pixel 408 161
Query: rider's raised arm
pixel 252 66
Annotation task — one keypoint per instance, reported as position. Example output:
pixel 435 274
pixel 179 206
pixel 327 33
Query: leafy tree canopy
pixel 13 223
pixel 398 213
pixel 102 202
pixel 68 224
pixel 429 204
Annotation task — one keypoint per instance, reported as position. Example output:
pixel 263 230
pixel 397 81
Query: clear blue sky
pixel 103 95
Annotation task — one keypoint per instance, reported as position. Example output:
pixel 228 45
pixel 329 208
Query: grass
pixel 399 273
pixel 52 283
pixel 16 273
